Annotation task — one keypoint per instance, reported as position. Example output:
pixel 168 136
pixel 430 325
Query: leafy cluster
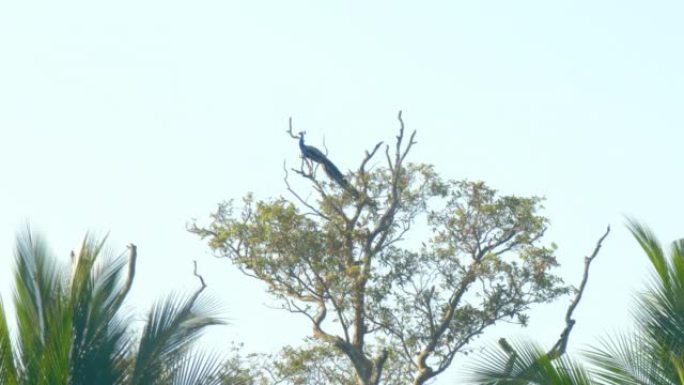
pixel 71 330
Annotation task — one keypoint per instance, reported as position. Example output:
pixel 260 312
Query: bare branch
pixel 395 166
pixel 562 343
pixel 132 259
pixel 292 134
pixel 368 157
pixel 364 181
pixel 401 156
pixel 194 272
pixel 299 198
pixel 297 309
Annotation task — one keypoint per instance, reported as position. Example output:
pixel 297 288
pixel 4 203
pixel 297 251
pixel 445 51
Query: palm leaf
pixel 173 325
pixel 8 373
pixel 649 243
pixel 524 363
pixel 100 341
pixel 628 360
pixel 38 302
pixel 646 356
pixel 198 368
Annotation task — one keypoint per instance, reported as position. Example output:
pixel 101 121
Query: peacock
pixel 316 155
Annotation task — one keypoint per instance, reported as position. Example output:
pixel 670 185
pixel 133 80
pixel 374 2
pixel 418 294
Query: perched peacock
pixel 316 155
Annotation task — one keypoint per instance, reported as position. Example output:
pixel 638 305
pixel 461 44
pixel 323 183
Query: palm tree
pixel 70 328
pixel 652 355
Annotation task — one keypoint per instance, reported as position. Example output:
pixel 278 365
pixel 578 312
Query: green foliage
pixel 313 364
pixel 524 363
pixel 654 354
pixel 245 369
pixel 651 354
pixel 353 267
pixel 71 329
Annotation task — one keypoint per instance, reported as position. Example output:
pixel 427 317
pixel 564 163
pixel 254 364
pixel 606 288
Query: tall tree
pixel 404 272
pixel 71 330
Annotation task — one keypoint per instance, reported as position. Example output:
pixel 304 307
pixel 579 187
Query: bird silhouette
pixel 311 152
pixel 316 155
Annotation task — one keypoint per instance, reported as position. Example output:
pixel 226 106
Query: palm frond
pixel 38 302
pixel 660 316
pixel 100 340
pixel 8 373
pixel 199 368
pixel 628 360
pixel 679 366
pixel 522 363
pixel 660 309
pixel 649 243
pixel 173 325
pixel 645 356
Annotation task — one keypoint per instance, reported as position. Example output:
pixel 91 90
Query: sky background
pixel 134 117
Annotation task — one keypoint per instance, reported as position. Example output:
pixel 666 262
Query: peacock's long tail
pixel 334 173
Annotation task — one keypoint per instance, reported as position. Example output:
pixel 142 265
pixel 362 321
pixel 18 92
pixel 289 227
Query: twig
pixel 369 155
pixel 194 272
pixel 364 181
pixel 289 131
pixel 299 198
pixel 562 343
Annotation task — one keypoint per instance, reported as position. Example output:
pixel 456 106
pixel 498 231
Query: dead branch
pixel 367 158
pixel 195 295
pixel 562 343
pixel 132 259
pixel 201 279
pixel 399 155
pixel 395 196
pixel 560 346
pixel 289 130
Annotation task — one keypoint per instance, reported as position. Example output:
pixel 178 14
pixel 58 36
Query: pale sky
pixel 133 117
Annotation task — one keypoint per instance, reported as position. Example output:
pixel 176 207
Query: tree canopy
pixel 404 273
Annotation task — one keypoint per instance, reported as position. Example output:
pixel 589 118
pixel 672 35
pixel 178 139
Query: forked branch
pixel 290 132
pixel 562 343
pixel 560 346
pixel 203 286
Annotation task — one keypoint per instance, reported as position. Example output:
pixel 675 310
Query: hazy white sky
pixel 136 116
